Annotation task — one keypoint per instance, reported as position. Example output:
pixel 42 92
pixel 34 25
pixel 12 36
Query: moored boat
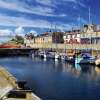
pixel 56 56
pixel 85 59
pixel 48 55
pixel 71 59
pixel 97 62
pixel 63 57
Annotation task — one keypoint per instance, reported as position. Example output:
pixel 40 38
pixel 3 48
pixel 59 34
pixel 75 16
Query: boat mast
pixel 55 35
pixel 90 24
pixel 51 28
pixel 79 21
pixel 89 15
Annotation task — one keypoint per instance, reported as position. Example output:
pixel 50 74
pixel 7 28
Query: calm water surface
pixel 56 80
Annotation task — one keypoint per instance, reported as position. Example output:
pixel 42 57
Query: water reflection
pixel 56 80
pixel 45 59
pixel 97 69
pixel 77 67
pixel 87 72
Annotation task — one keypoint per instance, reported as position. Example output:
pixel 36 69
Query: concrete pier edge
pixel 12 80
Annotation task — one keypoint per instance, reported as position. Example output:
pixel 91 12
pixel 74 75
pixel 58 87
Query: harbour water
pixel 56 80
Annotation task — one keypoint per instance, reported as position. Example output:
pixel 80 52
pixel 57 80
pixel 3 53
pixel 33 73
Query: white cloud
pixel 13 6
pixel 34 32
pixel 25 8
pixel 77 2
pixel 5 32
pixel 19 31
pixel 24 22
pixel 46 2
pixel 71 0
pixel 44 11
pixel 53 3
pixel 5 35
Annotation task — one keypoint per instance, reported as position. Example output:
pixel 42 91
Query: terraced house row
pixel 87 34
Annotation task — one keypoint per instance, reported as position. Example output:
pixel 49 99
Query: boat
pixel 63 57
pixel 52 55
pixel 42 54
pixel 85 58
pixel 56 56
pixel 48 55
pixel 70 59
pixel 97 62
pixel 70 56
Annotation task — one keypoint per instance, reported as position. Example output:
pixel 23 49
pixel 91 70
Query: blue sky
pixel 22 16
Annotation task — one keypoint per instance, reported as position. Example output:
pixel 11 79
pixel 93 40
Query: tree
pixel 19 39
pixel 29 36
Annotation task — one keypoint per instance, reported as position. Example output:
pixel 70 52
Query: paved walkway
pixel 5 84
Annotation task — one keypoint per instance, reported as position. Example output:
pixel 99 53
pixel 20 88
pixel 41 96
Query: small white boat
pixel 70 59
pixel 57 56
pixel 63 57
pixel 52 55
pixel 44 56
pixel 49 55
pixel 97 62
pixel 41 54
